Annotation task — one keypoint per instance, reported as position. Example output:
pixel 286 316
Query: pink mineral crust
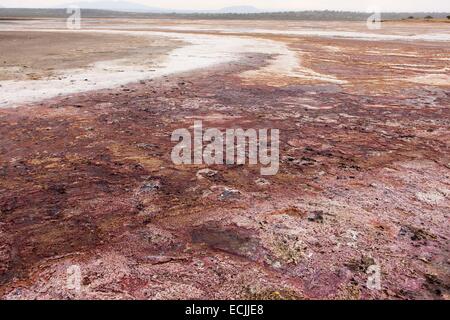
pixel 87 180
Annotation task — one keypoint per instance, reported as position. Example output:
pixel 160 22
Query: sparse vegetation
pixel 325 15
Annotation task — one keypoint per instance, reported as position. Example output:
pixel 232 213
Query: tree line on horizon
pixel 325 15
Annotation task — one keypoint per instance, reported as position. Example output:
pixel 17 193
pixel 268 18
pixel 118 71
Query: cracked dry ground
pixel 87 180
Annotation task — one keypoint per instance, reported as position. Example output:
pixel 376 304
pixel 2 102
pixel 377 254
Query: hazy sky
pixel 355 5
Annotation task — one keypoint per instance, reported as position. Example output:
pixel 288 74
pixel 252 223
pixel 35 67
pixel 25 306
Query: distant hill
pixel 126 6
pixel 120 6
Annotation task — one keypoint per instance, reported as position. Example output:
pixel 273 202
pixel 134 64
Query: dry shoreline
pixel 139 51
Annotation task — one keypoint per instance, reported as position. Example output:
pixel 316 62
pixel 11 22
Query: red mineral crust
pixel 87 180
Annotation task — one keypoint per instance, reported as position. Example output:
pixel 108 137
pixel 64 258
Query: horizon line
pixel 212 10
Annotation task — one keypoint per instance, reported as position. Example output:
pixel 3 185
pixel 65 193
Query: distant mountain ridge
pixel 125 6
pixel 121 6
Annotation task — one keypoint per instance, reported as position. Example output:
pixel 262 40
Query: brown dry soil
pixel 37 55
pixel 87 180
